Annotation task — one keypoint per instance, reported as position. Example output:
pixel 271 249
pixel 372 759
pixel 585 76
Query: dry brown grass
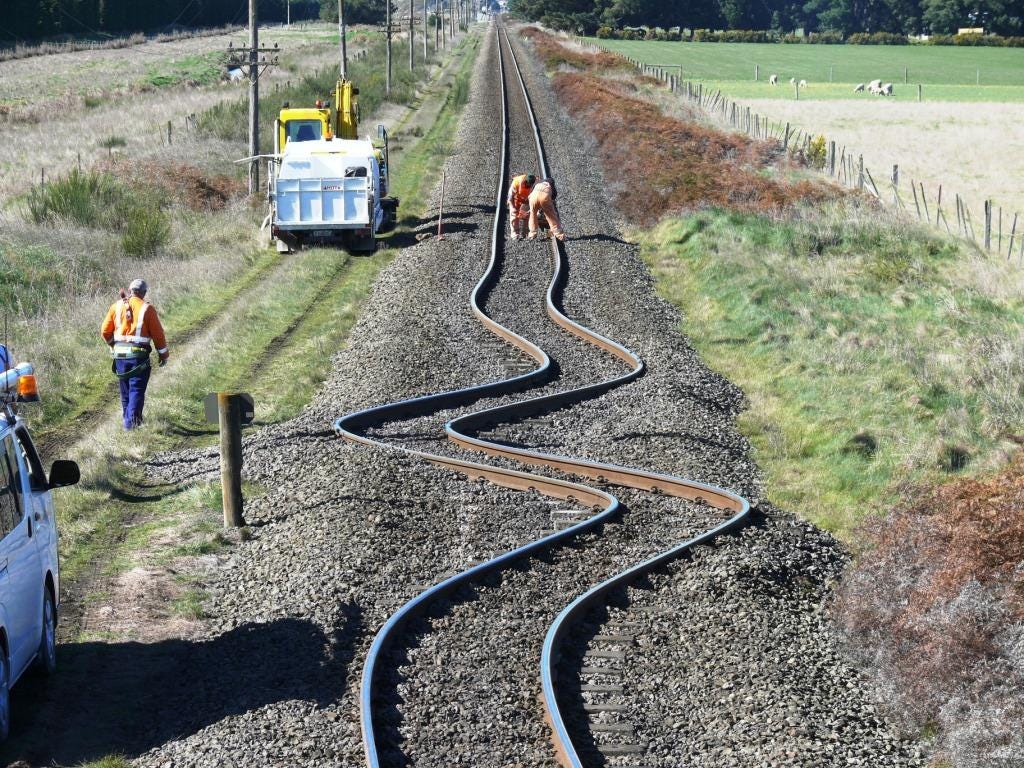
pixel 185 184
pixel 682 164
pixel 556 54
pixel 935 608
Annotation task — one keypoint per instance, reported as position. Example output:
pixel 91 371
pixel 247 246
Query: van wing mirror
pixel 63 473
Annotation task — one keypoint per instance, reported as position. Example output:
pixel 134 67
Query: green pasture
pixel 946 73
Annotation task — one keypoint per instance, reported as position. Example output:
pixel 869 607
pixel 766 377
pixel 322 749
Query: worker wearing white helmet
pixel 132 329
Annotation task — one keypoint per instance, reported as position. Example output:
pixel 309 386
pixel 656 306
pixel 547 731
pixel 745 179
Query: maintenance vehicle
pixel 29 576
pixel 325 184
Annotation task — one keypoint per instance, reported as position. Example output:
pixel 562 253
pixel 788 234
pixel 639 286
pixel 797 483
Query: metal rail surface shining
pixel 353 427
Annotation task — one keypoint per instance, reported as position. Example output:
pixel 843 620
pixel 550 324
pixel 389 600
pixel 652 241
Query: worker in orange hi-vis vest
pixel 542 200
pixel 518 203
pixel 132 329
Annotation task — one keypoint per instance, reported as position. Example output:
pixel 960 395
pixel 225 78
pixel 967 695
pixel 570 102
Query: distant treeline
pixel 30 20
pixel 828 37
pixel 841 17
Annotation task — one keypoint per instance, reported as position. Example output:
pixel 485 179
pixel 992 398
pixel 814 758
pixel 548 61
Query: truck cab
pixel 29 574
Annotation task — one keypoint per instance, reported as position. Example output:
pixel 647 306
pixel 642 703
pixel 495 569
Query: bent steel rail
pixel 353 426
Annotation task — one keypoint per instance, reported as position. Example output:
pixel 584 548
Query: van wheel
pixel 5 698
pixel 47 655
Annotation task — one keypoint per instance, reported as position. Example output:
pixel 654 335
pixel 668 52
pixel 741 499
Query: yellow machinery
pixel 313 124
pixel 325 184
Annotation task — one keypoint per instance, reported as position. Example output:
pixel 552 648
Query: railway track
pixel 559 386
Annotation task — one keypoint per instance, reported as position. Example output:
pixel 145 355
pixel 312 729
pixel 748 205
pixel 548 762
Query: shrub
pixel 934 608
pixel 144 230
pixel 816 152
pixel 605 33
pixel 877 38
pixel 79 198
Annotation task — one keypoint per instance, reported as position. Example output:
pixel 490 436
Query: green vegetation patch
pixel 867 359
pixel 196 69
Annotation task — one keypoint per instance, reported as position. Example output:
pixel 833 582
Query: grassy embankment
pixel 879 360
pixel 874 354
pixel 948 73
pixel 241 318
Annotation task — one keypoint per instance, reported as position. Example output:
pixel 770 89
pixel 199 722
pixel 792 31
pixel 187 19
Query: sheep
pixel 859 88
pixel 803 83
pixel 887 89
pixel 773 80
pixel 875 89
pixel 792 81
pixel 874 84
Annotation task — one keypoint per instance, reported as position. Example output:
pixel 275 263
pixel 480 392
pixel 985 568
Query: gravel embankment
pixel 346 534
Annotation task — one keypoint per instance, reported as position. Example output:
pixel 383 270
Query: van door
pixel 23 586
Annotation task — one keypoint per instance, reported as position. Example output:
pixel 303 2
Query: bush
pixel 934 609
pixel 98 201
pixel 145 230
pixel 605 33
pixel 816 152
pixel 877 38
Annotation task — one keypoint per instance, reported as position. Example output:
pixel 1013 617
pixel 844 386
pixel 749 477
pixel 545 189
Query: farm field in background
pixel 968 138
pixel 942 67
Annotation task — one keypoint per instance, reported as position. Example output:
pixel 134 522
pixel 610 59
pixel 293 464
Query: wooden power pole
pixel 342 46
pixel 387 23
pixel 253 61
pixel 425 51
pixel 254 100
pixel 412 35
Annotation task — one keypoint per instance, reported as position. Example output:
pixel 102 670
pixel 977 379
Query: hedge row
pixel 814 38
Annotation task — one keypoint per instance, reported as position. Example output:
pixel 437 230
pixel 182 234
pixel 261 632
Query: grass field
pixel 968 138
pixel 947 73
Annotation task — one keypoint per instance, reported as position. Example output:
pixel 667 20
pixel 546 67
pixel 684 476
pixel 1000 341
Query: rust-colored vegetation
pixel 185 184
pixel 935 607
pixel 555 55
pixel 659 164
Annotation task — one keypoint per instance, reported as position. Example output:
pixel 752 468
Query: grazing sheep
pixel 887 89
pixel 792 81
pixel 803 83
pixel 773 80
pixel 859 88
pixel 874 85
pixel 875 89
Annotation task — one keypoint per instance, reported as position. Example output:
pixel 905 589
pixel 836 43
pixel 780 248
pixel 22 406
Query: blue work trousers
pixel 133 391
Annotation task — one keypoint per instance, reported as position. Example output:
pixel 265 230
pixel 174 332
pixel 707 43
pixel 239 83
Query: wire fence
pixel 847 168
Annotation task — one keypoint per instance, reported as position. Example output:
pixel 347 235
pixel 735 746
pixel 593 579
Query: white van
pixel 29 580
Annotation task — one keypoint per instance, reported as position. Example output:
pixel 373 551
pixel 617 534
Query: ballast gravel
pixel 345 534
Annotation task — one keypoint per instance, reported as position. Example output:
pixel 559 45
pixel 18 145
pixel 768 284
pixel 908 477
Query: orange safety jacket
pixel 518 192
pixel 133 321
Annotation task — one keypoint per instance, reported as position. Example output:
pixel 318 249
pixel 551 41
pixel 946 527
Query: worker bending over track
pixel 518 203
pixel 542 200
pixel 131 328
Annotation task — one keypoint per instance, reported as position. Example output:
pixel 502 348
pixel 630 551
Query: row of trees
pixel 1005 17
pixel 28 20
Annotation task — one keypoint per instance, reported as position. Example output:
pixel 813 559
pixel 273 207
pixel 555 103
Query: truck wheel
pixel 46 658
pixel 5 698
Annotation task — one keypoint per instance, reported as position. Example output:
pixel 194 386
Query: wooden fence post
pixel 229 411
pixel 1013 234
pixel 988 225
pixel 831 158
pixel 168 133
pixel 919 92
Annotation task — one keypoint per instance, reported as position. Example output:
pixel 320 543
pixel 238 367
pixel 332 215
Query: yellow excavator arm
pixel 346 110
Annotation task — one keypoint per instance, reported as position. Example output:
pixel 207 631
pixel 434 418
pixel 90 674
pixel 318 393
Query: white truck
pixel 329 190
pixel 29 577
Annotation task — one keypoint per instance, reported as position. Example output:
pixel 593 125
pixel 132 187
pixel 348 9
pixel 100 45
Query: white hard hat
pixel 138 286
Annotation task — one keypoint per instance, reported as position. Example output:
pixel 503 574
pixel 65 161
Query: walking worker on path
pixel 518 203
pixel 542 199
pixel 131 328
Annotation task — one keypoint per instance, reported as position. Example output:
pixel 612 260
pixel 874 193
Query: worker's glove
pixel 532 236
pixel 163 362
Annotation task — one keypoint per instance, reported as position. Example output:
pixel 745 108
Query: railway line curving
pixel 464 431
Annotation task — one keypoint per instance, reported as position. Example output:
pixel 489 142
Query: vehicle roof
pixel 344 147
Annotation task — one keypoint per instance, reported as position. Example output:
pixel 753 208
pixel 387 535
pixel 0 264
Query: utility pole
pixel 412 35
pixel 387 23
pixel 444 25
pixel 289 22
pixel 425 51
pixel 451 16
pixel 254 62
pixel 341 37
pixel 254 100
